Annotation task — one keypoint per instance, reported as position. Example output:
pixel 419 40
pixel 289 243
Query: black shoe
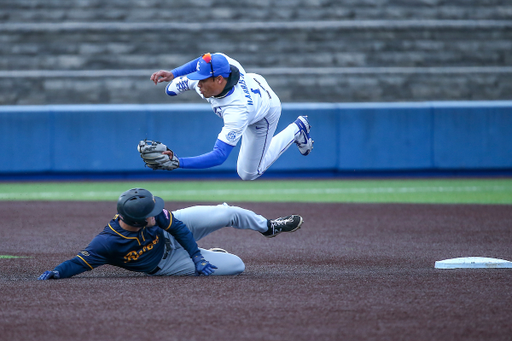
pixel 284 224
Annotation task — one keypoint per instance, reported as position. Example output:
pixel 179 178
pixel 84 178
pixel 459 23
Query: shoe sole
pixel 217 249
pixel 310 148
pixel 295 229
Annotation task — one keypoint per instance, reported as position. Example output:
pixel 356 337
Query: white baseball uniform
pixel 250 112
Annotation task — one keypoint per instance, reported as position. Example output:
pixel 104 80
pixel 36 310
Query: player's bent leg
pixel 227 264
pixel 243 219
pixel 256 142
pixel 282 141
pixel 248 176
pixel 177 263
pixel 296 132
pixel 203 220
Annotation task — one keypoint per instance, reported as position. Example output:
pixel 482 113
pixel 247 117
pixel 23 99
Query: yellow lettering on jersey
pixel 134 255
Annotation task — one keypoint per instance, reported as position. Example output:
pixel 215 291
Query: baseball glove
pixel 151 153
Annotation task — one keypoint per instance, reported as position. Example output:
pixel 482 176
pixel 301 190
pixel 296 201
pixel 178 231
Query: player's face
pixel 211 86
pixel 151 221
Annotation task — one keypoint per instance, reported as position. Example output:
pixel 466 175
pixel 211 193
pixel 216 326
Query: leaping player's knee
pixel 247 176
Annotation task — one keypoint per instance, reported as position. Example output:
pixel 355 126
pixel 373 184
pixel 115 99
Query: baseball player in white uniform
pixel 249 108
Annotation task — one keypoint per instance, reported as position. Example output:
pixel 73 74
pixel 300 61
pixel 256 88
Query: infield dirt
pixel 352 272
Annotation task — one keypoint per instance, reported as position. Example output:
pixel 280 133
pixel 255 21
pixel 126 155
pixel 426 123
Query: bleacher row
pixel 91 51
pixel 243 10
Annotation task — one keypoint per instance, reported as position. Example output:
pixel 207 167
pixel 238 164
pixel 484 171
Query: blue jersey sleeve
pixel 94 255
pixel 216 157
pixel 179 231
pixel 185 69
pixel 71 268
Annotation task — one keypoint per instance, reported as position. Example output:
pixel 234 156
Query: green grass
pixel 10 257
pixel 483 191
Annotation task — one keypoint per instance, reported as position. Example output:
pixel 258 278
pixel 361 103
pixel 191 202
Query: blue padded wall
pixel 348 137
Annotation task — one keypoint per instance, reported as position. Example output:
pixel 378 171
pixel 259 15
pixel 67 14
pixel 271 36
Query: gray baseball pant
pixel 203 220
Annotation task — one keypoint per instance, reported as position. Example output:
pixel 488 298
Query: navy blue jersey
pixel 139 251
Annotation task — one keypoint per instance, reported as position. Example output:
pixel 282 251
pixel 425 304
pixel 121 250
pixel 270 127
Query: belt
pixel 166 253
pixel 154 271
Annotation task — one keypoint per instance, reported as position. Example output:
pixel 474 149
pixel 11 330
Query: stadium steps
pixel 82 51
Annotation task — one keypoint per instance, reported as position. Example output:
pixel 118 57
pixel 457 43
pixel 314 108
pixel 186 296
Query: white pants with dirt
pixel 203 220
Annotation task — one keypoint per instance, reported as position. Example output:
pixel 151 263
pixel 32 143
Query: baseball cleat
pixel 290 223
pixel 217 249
pixel 303 140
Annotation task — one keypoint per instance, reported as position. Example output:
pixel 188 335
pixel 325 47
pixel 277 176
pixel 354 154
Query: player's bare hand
pixel 169 152
pixel 162 76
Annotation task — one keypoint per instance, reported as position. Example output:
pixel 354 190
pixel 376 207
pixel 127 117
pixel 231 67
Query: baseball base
pixel 473 263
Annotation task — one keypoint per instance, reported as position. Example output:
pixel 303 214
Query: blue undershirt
pixel 216 157
pixel 185 69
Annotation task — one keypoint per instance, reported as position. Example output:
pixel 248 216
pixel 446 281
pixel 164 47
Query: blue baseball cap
pixel 211 65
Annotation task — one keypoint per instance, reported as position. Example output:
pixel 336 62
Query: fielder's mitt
pixel 151 153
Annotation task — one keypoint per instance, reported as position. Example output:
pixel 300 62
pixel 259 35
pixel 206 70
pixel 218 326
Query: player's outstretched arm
pixel 49 275
pixel 67 269
pixel 162 76
pixel 216 157
pixel 156 155
pixel 167 76
pixel 179 85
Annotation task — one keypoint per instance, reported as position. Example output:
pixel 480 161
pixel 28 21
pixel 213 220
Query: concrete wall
pixel 354 137
pixel 103 52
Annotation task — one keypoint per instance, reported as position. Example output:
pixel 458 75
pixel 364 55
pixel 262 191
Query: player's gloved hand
pixel 49 275
pixel 156 155
pixel 203 267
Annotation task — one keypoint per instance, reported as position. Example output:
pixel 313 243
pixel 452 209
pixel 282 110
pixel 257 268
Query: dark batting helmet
pixel 137 204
